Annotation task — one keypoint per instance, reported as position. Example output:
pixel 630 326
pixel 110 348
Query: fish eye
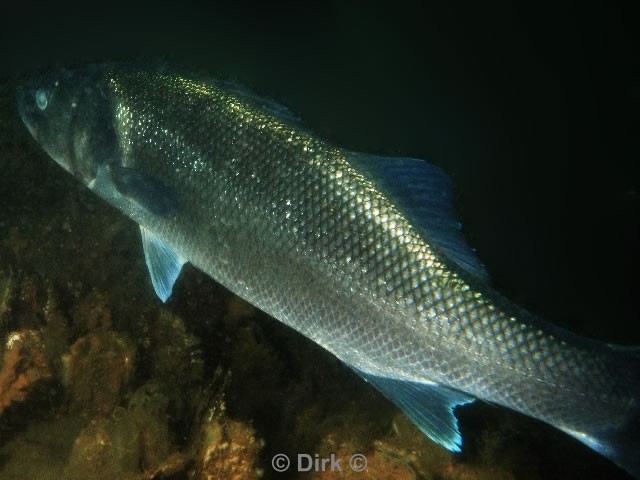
pixel 41 98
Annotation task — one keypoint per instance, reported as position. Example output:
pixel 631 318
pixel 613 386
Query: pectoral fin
pixel 429 406
pixel 148 191
pixel 163 263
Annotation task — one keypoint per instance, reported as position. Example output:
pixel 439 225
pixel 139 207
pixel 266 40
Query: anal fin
pixel 428 405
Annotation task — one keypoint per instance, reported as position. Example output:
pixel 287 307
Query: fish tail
pixel 623 446
pixel 620 445
pixel 620 442
pixel 623 443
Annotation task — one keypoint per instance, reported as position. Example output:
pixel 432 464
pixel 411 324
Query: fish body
pixel 359 253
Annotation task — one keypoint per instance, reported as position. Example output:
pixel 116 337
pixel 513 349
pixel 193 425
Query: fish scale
pixel 332 244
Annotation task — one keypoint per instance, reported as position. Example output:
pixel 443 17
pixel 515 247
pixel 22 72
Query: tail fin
pixel 621 443
pixel 624 446
pixel 621 446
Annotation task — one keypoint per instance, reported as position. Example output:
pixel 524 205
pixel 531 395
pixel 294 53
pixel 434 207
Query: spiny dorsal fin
pixel 267 105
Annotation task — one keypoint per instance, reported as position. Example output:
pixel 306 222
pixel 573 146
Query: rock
pixel 97 370
pixel 24 366
pixel 40 451
pixel 176 357
pixel 229 450
pixel 148 410
pixel 91 312
pixel 104 449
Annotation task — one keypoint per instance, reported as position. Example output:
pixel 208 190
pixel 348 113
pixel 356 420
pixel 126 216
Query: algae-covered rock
pixel 132 442
pixel 91 312
pixel 176 358
pixel 6 290
pixel 24 366
pixel 229 450
pixel 104 449
pixel 98 369
pixel 148 411
pixel 41 451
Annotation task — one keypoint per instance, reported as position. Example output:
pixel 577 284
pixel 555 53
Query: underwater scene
pixel 250 308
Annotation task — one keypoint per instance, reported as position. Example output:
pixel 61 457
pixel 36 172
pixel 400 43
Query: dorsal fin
pixel 423 192
pixel 267 105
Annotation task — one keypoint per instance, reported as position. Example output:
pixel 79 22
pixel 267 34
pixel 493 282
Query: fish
pixel 363 254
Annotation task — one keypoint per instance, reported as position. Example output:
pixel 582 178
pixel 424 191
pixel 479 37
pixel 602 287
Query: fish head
pixel 65 112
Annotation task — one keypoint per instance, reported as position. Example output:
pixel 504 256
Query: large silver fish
pixel 360 253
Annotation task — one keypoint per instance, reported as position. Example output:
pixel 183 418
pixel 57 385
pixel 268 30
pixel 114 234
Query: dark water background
pixel 533 110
